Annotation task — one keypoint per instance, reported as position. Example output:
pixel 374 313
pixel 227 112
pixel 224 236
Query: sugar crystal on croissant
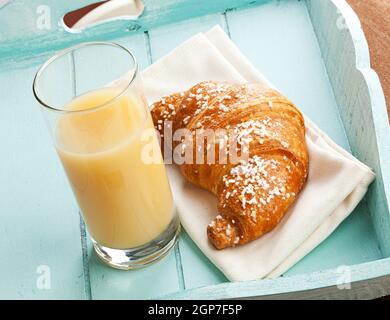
pixel 254 193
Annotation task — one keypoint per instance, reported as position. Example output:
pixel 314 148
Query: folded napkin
pixel 336 182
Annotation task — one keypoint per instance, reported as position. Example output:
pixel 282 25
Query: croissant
pixel 253 194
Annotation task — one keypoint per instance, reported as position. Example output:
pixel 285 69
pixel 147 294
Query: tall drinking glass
pixel 92 98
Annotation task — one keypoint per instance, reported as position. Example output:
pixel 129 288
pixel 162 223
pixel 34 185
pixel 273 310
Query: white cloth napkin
pixel 336 183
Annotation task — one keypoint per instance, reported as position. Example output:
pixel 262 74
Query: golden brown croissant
pixel 253 194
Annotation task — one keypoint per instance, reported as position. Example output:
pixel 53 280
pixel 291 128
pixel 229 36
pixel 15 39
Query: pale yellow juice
pixel 125 200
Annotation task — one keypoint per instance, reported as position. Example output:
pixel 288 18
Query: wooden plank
pixel 164 39
pixel 310 89
pixel 197 269
pixel 27 37
pixel 39 229
pixel 158 279
pixel 146 283
pixel 356 87
pixel 368 280
pixel 340 248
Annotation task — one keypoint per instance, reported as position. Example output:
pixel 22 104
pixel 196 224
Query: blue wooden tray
pixel 313 50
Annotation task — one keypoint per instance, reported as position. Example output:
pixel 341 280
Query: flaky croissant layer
pixel 254 193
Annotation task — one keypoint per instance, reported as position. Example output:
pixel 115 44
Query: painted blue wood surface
pixel 290 56
pixel 356 87
pixel 30 41
pixel 301 286
pixel 39 216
